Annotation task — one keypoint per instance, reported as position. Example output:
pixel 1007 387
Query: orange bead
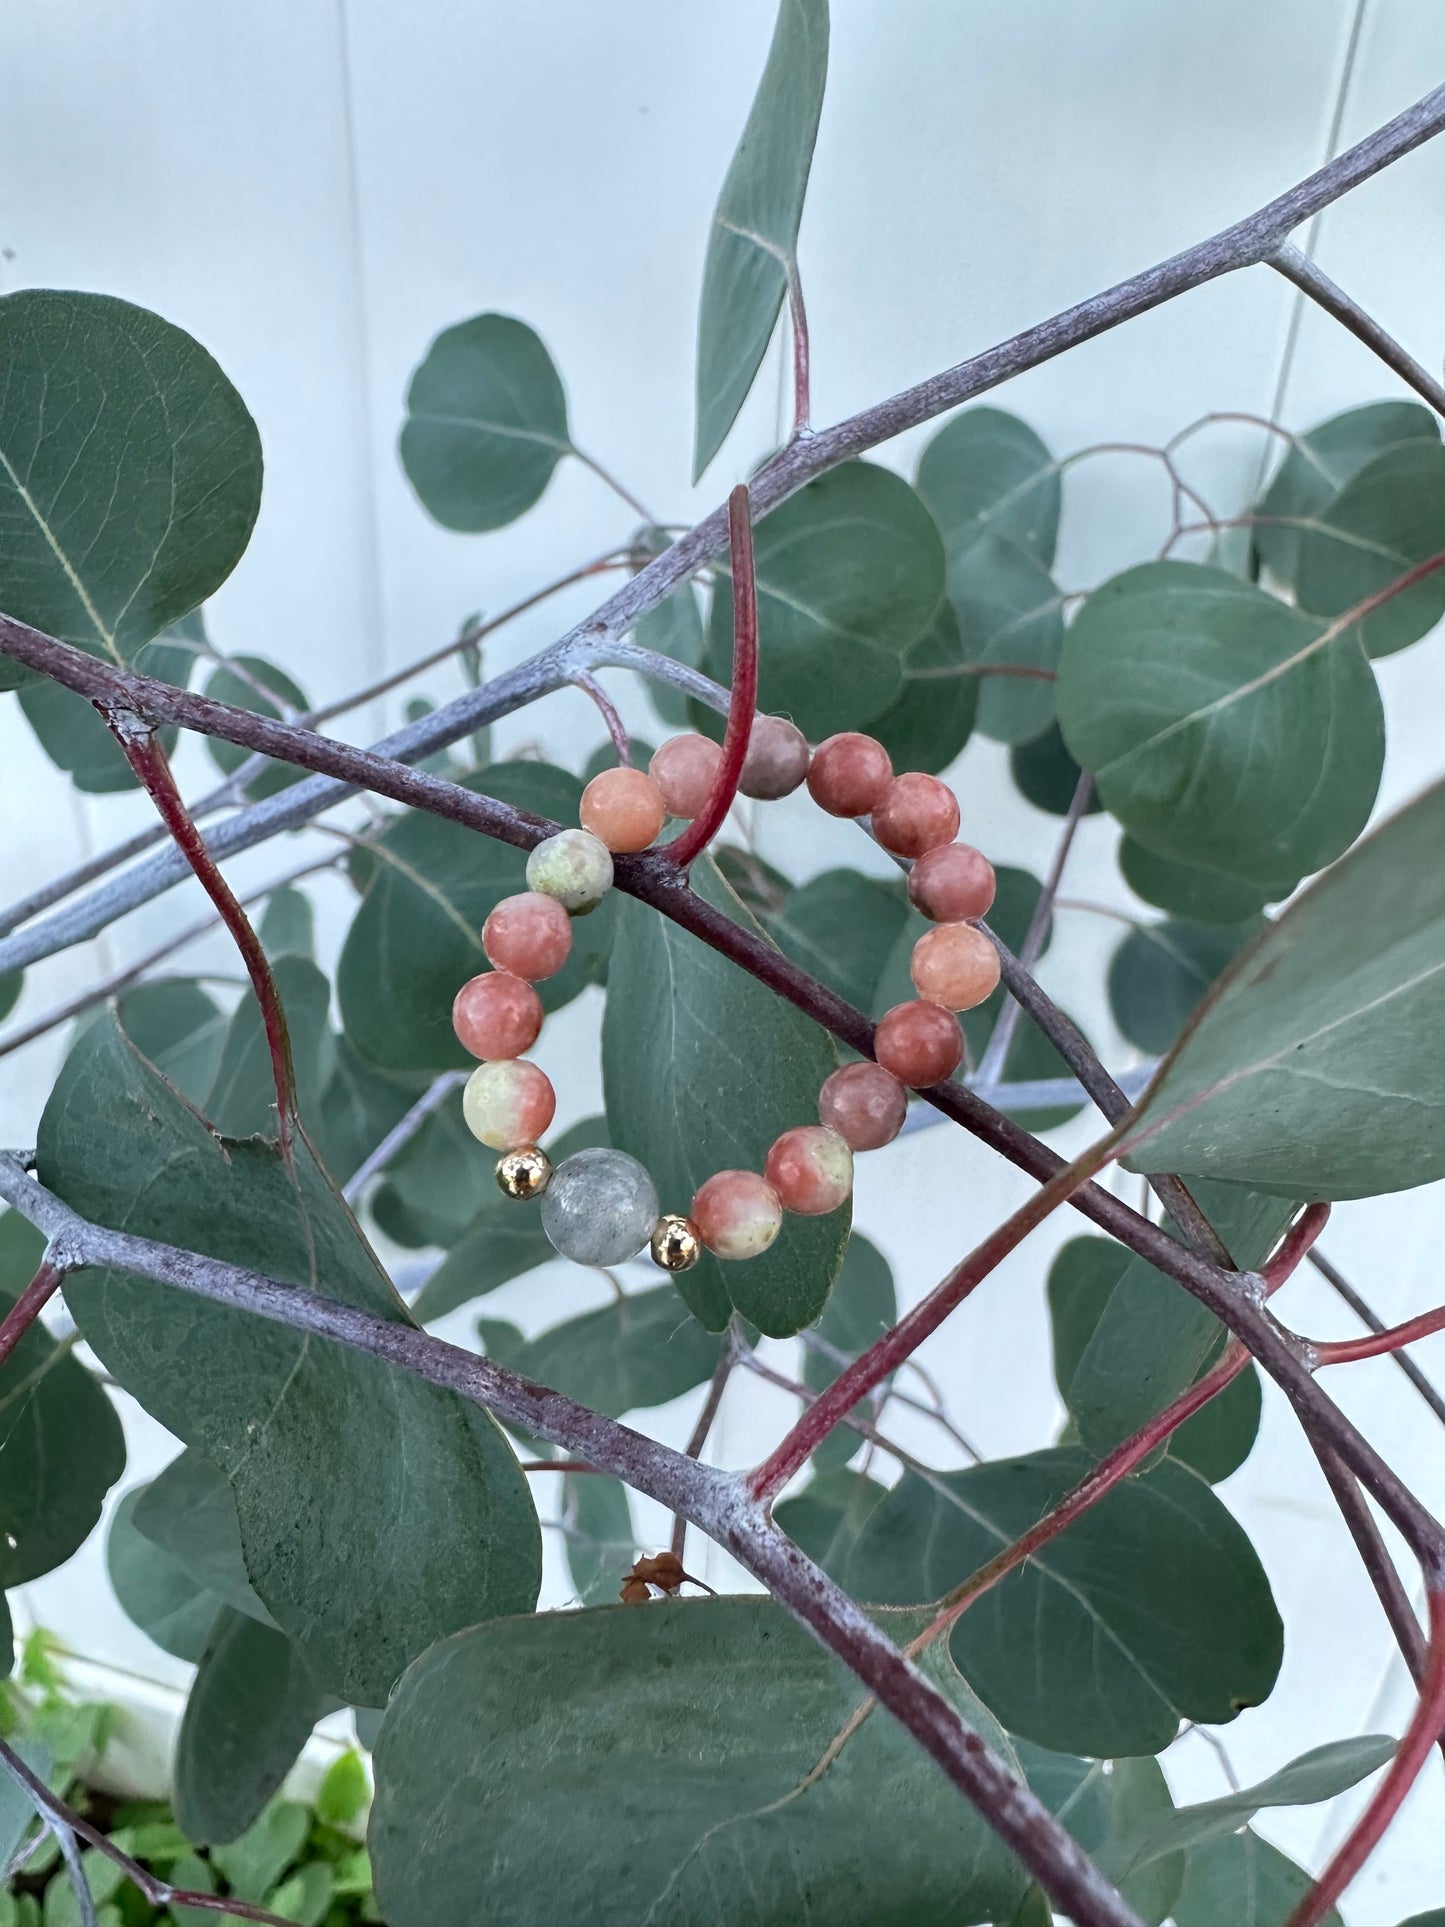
pixel 497 1015
pixel 623 809
pixel 530 935
pixel 952 883
pixel 508 1104
pixel 737 1214
pixel 919 1043
pixel 864 1104
pixel 684 770
pixel 917 814
pixel 954 965
pixel 777 759
pixel 811 1169
pixel 849 775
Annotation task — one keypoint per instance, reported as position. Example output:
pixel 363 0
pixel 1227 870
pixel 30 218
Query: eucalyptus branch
pixel 401 1134
pixel 1295 265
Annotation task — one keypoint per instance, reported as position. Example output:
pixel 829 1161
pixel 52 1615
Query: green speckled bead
pixel 574 867
pixel 508 1104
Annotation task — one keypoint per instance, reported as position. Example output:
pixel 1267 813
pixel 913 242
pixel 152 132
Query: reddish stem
pixel 1344 1351
pixel 802 382
pixel 1293 1247
pixel 870 1368
pixel 29 1305
pixel 144 752
pixel 616 728
pixel 743 707
pixel 1425 1728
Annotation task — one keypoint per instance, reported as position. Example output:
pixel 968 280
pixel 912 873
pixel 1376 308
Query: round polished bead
pixel 600 1207
pixel 622 808
pixel 811 1169
pixel 954 965
pixel 528 935
pixel 917 814
pixel 864 1104
pixel 497 1015
pixel 849 775
pixel 684 770
pixel 951 883
pixel 737 1214
pixel 508 1104
pixel 573 868
pixel 777 759
pixel 676 1243
pixel 919 1043
pixel 524 1173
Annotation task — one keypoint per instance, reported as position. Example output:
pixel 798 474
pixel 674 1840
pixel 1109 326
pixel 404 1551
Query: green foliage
pixel 236 683
pixel 1161 970
pixel 600 1537
pixel 862 1306
pixel 1244 1880
pixel 1386 519
pixel 74 734
pixel 155 1590
pixel 1102 1804
pixel 645 1349
pixel 934 716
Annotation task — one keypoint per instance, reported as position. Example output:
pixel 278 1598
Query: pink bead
pixel 864 1104
pixel 737 1214
pixel 623 809
pixel 529 935
pixel 952 883
pixel 684 770
pixel 917 814
pixel 850 774
pixel 497 1015
pixel 954 965
pixel 919 1043
pixel 777 759
pixel 811 1169
pixel 508 1104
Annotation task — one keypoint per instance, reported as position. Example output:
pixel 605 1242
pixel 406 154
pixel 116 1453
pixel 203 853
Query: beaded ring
pixel 600 1207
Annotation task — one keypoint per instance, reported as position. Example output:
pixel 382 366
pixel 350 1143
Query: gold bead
pixel 524 1173
pixel 676 1243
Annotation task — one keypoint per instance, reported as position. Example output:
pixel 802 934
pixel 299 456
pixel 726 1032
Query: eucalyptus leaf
pixel 830 1513
pixel 155 1591
pixel 253 1864
pixel 861 1307
pixel 752 244
pixel 180 1027
pixel 600 1536
pixel 1011 617
pixel 1387 519
pixel 357 1107
pixel 841 927
pixel 1102 1804
pixel 187 1512
pixel 988 473
pixel 235 682
pixel 934 716
pixel 74 734
pixel 644 1349
pixel 1046 774
pixel 673 629
pixel 1244 1880
pixel 1196 892
pixel 242 1099
pixel 1160 972
pixel 1221 1435
pixel 288 924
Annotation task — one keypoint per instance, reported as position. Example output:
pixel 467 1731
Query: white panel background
pixel 314 187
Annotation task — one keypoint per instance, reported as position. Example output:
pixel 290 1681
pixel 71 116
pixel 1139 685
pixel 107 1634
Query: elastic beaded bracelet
pixel 599 1206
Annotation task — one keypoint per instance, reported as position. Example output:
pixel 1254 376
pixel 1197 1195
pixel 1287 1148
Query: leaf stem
pixel 616 728
pixel 1295 265
pixel 802 380
pixel 32 1301
pixel 1368 1316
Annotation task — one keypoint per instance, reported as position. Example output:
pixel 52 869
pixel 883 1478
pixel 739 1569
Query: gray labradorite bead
pixel 600 1207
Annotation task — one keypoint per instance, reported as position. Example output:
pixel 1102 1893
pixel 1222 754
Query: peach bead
pixel 530 935
pixel 917 814
pixel 850 774
pixel 623 809
pixel 864 1104
pixel 684 770
pixel 737 1214
pixel 777 759
pixel 919 1043
pixel 952 883
pixel 508 1104
pixel 954 965
pixel 496 1015
pixel 811 1169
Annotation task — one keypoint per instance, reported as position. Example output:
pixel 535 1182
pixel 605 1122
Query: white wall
pixel 314 187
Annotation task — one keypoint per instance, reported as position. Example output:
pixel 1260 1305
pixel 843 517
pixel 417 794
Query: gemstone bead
pixel 811 1169
pixel 508 1104
pixel 919 1043
pixel 737 1214
pixel 777 759
pixel 951 883
pixel 849 775
pixel 528 935
pixel 684 770
pixel 622 808
pixel 864 1104
pixel 497 1015
pixel 573 868
pixel 918 813
pixel 600 1207
pixel 954 965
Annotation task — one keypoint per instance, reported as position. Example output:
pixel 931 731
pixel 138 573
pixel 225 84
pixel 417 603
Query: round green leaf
pixel 600 1537
pixel 934 717
pixel 644 1349
pixel 74 735
pixel 155 1591
pixel 1160 972
pixel 987 473
pixel 841 927
pixel 1047 775
pixel 1010 613
pixel 1220 1437
pixel 1387 518
pixel 180 1027
pixel 828 1515
pixel 1244 1880
pixel 1198 892
pixel 486 424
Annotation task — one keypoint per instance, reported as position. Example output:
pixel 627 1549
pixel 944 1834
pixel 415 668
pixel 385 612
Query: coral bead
pixel 622 808
pixel 864 1104
pixel 811 1169
pixel 684 770
pixel 497 1015
pixel 919 1043
pixel 777 759
pixel 574 868
pixel 954 965
pixel 917 814
pixel 737 1214
pixel 508 1104
pixel 528 935
pixel 952 883
pixel 849 775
